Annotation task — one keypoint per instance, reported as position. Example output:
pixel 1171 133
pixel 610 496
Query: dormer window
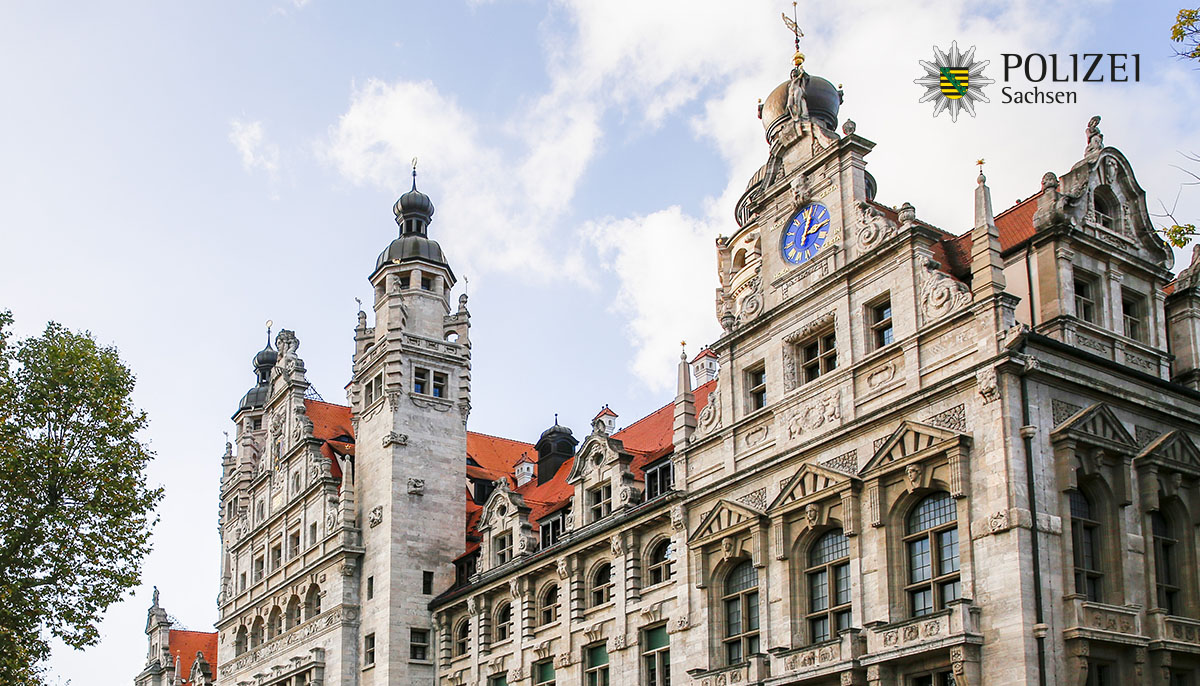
pixel 502 544
pixel 1107 208
pixel 660 478
pixel 551 530
pixel 600 502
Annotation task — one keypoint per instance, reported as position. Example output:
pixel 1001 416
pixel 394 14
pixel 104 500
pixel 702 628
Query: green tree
pixel 75 509
pixel 1187 34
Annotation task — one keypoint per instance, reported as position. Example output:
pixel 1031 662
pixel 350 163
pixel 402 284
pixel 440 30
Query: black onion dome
pixel 555 431
pixel 413 202
pixel 265 359
pixel 824 100
pixel 264 362
pixel 412 246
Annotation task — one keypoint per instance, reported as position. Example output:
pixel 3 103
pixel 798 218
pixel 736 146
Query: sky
pixel 173 175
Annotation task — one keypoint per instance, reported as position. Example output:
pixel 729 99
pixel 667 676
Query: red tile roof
pixel 704 352
pixel 604 412
pixel 184 645
pixel 1016 223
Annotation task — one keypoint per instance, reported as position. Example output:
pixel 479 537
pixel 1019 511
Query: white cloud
pixel 257 154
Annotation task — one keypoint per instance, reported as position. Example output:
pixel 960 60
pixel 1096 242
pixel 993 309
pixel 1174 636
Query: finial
pixel 980 162
pixel 414 163
pixel 359 304
pixel 269 325
pixel 683 350
pixel 793 24
pixel 556 419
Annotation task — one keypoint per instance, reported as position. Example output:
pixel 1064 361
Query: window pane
pixel 922 602
pixel 597 656
pixel 933 511
pixel 951 591
pixel 656 638
pixel 841 578
pixel 918 560
pixel 818 591
pixel 1081 507
pixel 742 577
pixel 733 617
pixel 733 652
pixel 820 629
pixel 843 620
pixel 948 549
pixel 832 546
pixel 751 611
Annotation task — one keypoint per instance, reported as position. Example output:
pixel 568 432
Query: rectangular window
pixel 368 650
pixel 595 671
pixel 257 423
pixel 756 387
pixel 1133 311
pixel 551 530
pixel 259 568
pixel 600 502
pixel 880 317
pixel 420 380
pixel 427 583
pixel 312 533
pixel 418 644
pixel 373 390
pixel 656 656
pixel 543 673
pixel 1100 674
pixel 293 544
pixel 261 510
pixel 404 281
pixel 439 385
pixel 935 679
pixel 242 582
pixel 1086 298
pixel 818 357
pixel 426 283
pixel 500 680
pixel 660 478
pixel 370 587
pixel 502 544
pixel 276 556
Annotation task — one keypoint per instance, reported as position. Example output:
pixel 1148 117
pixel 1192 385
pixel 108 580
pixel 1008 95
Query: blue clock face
pixel 806 233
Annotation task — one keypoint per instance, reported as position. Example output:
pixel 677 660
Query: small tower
pixel 410 397
pixel 555 446
pixel 605 421
pixel 705 366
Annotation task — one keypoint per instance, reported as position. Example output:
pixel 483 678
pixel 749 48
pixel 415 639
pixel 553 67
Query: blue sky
pixel 173 175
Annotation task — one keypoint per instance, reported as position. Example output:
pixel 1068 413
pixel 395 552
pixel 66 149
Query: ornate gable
pixel 725 518
pixel 911 439
pixel 1173 449
pixel 809 480
pixel 597 450
pixel 502 504
pixel 1096 425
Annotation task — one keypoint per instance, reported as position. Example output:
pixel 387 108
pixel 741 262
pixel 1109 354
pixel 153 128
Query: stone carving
pixel 472 606
pixel 681 623
pixel 562 660
pixel 846 462
pixel 514 587
pixel 709 418
pixel 756 499
pixel 849 127
pixel 330 520
pixel 1089 342
pixel 1143 363
pixel 618 548
pixel 941 295
pixel 874 226
pixel 907 214
pixel 756 435
pixel 416 486
pixel 652 612
pixel 394 438
pixel 954 419
pixel 914 473
pixel 751 304
pixel 910 632
pixel 988 386
pixel 1062 410
pixel 618 642
pixel 727 547
pixel 375 516
pixel 824 411
pixel 562 568
pixel 1142 435
pixel 800 190
pixel 881 375
pixel 678 518
pixel 812 514
pixel 1095 139
pixel 998 521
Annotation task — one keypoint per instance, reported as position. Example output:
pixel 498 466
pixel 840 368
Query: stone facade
pixel 913 457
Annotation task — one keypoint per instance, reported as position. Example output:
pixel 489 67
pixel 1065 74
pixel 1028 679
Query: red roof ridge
pixel 501 438
pixel 325 402
pixel 705 352
pixel 605 411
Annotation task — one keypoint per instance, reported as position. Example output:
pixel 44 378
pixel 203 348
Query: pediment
pixel 501 504
pixel 1174 449
pixel 597 450
pixel 910 438
pixel 810 479
pixel 1096 424
pixel 727 516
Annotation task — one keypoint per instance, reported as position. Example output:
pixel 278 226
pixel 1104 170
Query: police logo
pixel 954 81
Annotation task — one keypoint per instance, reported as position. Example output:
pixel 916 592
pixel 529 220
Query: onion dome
pixel 414 211
pixel 264 362
pixel 821 97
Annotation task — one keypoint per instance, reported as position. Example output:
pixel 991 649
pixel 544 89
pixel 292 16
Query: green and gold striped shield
pixel 954 82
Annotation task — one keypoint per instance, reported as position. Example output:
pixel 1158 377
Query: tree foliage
pixel 76 512
pixel 1187 34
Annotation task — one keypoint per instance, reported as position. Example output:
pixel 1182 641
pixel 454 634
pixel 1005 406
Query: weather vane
pixel 793 25
pixel 980 163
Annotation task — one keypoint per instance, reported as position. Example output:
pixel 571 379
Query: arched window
pixel 1107 207
pixel 241 640
pixel 462 637
pixel 503 622
pixel 931 541
pixel 740 603
pixel 312 602
pixel 739 260
pixel 293 612
pixel 661 564
pixel 275 622
pixel 548 605
pixel 1085 543
pixel 828 576
pixel 256 632
pixel 1166 560
pixel 602 584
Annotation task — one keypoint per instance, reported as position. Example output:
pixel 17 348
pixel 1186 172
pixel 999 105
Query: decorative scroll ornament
pixel 941 295
pixel 874 226
pixel 709 418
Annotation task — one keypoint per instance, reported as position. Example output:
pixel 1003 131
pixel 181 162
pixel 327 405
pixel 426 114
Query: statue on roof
pixel 1095 139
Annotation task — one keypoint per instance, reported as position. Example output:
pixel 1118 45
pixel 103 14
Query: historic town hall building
pixel 915 456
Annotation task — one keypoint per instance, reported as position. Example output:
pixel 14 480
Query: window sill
pixel 662 584
pixel 370 666
pixel 547 626
pixel 502 643
pixel 413 661
pixel 600 608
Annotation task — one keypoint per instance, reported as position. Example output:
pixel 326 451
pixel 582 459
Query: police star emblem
pixel 954 81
